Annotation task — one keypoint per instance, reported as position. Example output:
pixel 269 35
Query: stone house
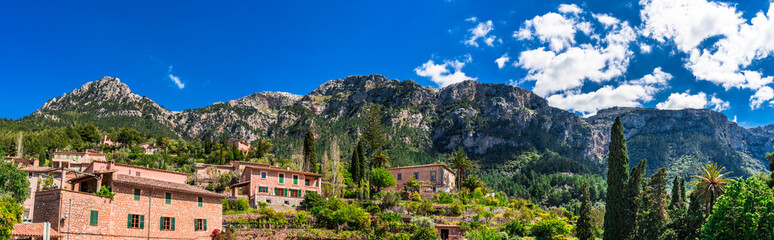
pixel 431 177
pixel 242 145
pixel 449 232
pixel 107 141
pixel 153 205
pixel 76 160
pixel 276 186
pixel 36 175
pixel 22 162
pixel 150 149
pixel 207 174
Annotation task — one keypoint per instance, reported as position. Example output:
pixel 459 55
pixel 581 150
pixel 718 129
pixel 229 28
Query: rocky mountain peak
pixel 270 100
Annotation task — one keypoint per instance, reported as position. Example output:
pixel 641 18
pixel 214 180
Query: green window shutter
pixel 137 193
pixel 161 223
pixel 200 201
pixel 94 219
pixel 142 221
pixel 129 221
pixel 168 198
pixel 205 224
pixel 173 224
pixel 196 224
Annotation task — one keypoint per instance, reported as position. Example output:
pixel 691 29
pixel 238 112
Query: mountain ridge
pixel 488 120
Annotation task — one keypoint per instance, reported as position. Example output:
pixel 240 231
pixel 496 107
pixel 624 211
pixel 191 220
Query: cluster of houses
pixel 151 203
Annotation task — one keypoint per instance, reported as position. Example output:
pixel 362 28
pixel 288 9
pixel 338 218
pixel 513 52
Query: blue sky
pixel 582 55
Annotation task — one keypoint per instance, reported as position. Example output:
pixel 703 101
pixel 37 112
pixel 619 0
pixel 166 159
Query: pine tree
pixel 634 197
pixel 310 152
pixel 585 225
pixel 654 219
pixel 362 160
pixel 676 198
pixel 617 209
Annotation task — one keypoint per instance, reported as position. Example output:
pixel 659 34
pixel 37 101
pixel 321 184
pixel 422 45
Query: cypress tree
pixel 310 152
pixel 676 198
pixel 634 197
pixel 354 166
pixel 682 190
pixel 585 226
pixel 654 218
pixel 617 209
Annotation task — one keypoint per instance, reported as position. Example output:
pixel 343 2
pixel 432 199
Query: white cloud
pixel 589 103
pixel 552 28
pixel 480 31
pixel 606 20
pixel 472 19
pixel 677 101
pixel 565 66
pixel 441 73
pixel 739 42
pixel 501 61
pixel 570 8
pixel 645 48
pixel 175 79
pixel 762 95
pixel 629 94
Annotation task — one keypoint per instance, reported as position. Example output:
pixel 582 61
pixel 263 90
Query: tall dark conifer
pixel 676 195
pixel 354 166
pixel 682 190
pixel 617 207
pixel 634 197
pixel 310 152
pixel 361 157
pixel 654 219
pixel 585 226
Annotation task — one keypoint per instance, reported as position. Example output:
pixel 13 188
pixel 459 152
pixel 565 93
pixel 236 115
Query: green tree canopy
pixel 585 228
pixel 617 213
pixel 381 178
pixel 310 152
pixel 745 211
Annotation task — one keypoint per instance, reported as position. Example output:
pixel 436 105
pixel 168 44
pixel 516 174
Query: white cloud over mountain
pixel 447 73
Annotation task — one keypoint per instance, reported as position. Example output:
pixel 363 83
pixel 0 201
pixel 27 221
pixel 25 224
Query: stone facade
pixel 22 162
pixel 76 160
pixel 277 186
pixel 137 209
pixel 34 174
pixel 242 145
pixel 431 177
pixel 206 173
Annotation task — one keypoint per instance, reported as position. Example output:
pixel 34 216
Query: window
pixel 137 193
pixel 138 174
pixel 200 224
pixel 306 182
pixel 200 200
pixel 263 189
pixel 416 176
pixel 94 218
pixel 400 176
pixel 295 193
pixel 432 176
pixel 295 179
pixel 168 198
pixel 135 221
pixel 263 174
pixel 280 192
pixel 281 178
pixel 167 223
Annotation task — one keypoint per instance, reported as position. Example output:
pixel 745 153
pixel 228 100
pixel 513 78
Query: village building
pixel 207 174
pixel 150 149
pixel 41 179
pixel 276 186
pixel 22 162
pixel 107 141
pixel 242 145
pixel 148 204
pixel 33 231
pixel 431 177
pixel 76 160
pixel 449 232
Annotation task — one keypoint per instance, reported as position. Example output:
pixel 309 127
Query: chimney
pixel 287 168
pixel 110 164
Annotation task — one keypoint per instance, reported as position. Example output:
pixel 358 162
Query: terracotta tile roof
pixel 37 169
pixel 424 166
pixel 32 230
pixel 139 167
pixel 147 182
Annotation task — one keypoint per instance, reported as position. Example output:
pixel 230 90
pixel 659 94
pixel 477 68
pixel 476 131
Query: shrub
pixel 373 209
pixel 312 199
pixel 416 197
pixel 424 229
pixel 515 228
pixel 400 236
pixel 302 218
pixel 485 233
pixel 391 217
pixel 389 198
pixel 443 197
pixel 457 208
pixel 549 227
pixel 232 204
pixel 105 191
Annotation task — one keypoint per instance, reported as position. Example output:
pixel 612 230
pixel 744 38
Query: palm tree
pixel 381 161
pixel 459 160
pixel 711 184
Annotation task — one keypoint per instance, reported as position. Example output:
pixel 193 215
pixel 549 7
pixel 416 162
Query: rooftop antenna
pixel 19 147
